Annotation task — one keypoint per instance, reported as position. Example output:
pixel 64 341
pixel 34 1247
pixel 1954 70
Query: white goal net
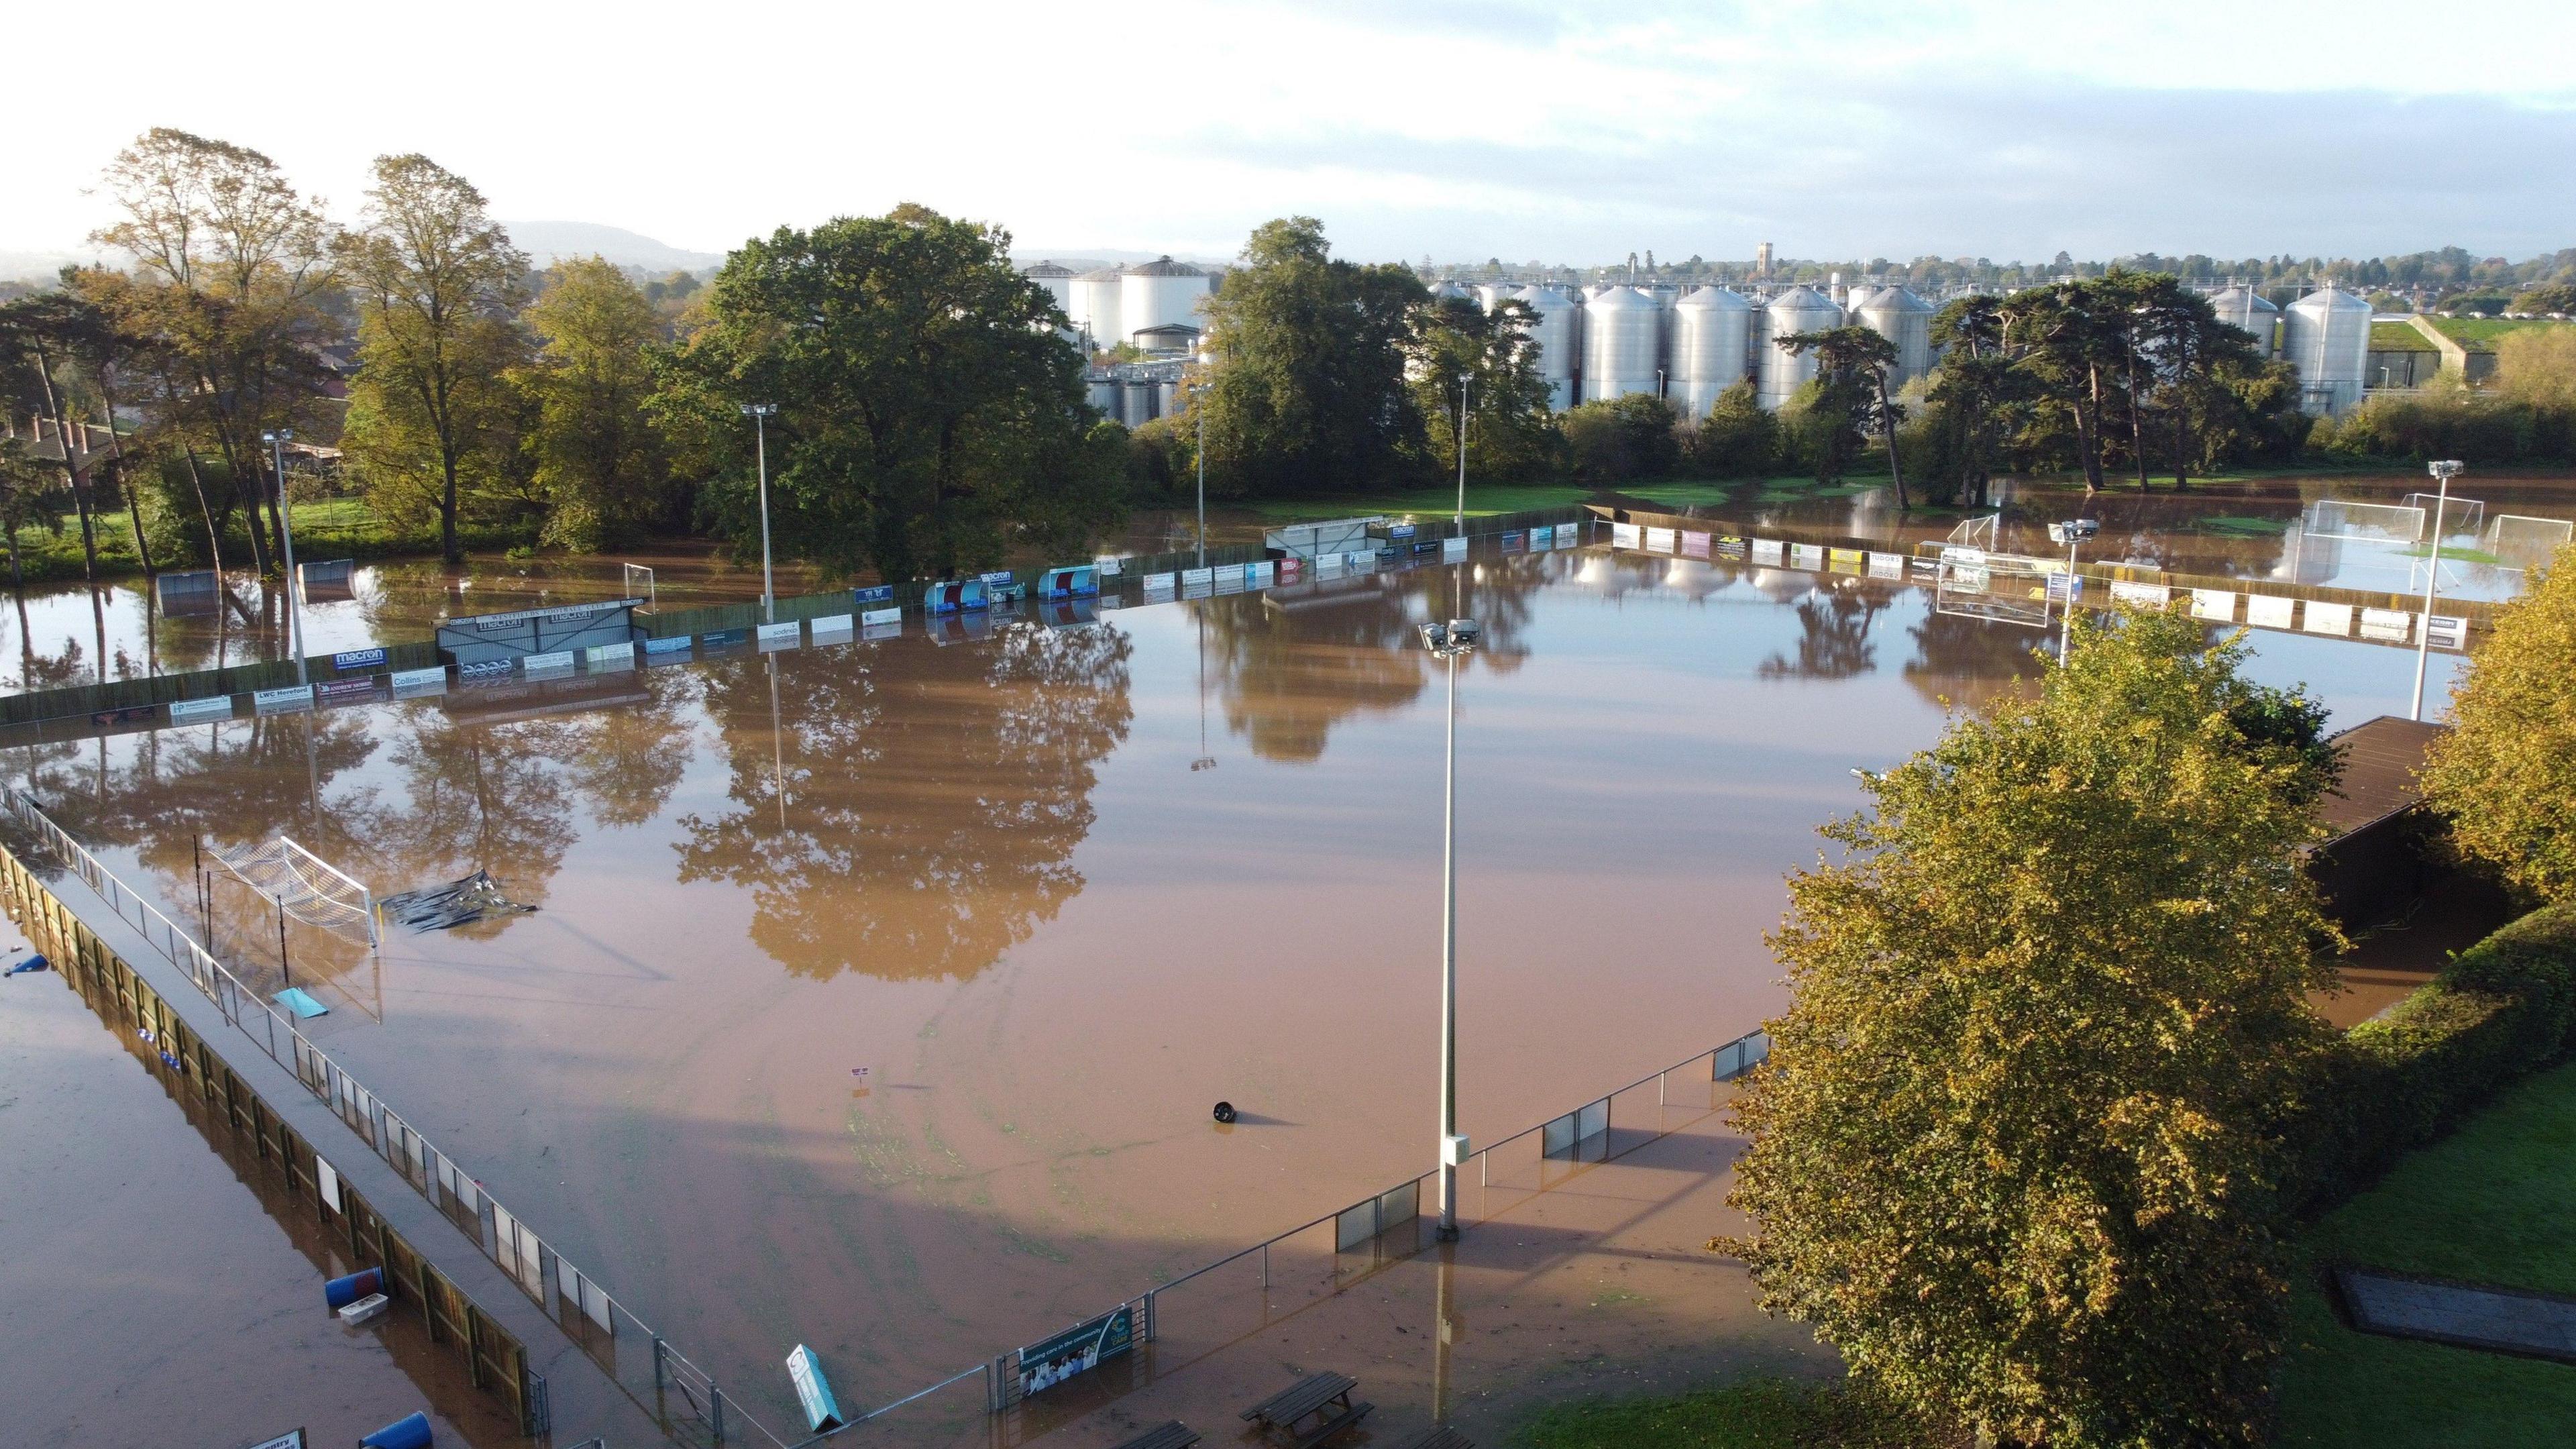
pixel 1999 588
pixel 2459 515
pixel 638 574
pixel 2522 541
pixel 305 886
pixel 2343 518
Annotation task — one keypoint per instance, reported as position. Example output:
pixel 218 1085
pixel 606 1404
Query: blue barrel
pixel 341 1292
pixel 411 1431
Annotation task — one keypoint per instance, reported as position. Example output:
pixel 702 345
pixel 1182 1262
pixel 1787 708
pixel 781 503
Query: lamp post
pixel 2445 472
pixel 1461 441
pixel 1198 407
pixel 277 442
pixel 2070 533
pixel 1449 642
pixel 760 414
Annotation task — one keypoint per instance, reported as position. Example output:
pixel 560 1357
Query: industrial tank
pixel 1621 329
pixel 1905 320
pixel 1799 309
pixel 1058 281
pixel 1095 296
pixel 1138 407
pixel 1451 292
pixel 2243 307
pixel 1709 329
pixel 1492 292
pixel 1105 394
pixel 1160 293
pixel 1556 324
pixel 2327 337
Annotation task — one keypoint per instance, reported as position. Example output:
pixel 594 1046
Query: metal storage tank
pixel 1138 408
pixel 1058 281
pixel 2243 307
pixel 1492 292
pixel 1557 326
pixel 2326 335
pixel 1095 297
pixel 1106 395
pixel 1621 330
pixel 1159 294
pixel 1709 330
pixel 1904 319
pixel 1799 309
pixel 1451 292
pixel 1167 397
pixel 1666 297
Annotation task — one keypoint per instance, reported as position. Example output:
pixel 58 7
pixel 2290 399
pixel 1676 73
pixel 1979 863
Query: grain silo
pixel 2326 335
pixel 1095 300
pixel 1058 281
pixel 1799 309
pixel 1709 330
pixel 1905 320
pixel 2242 307
pixel 1556 324
pixel 1490 294
pixel 1137 408
pixel 1621 328
pixel 1160 293
pixel 1105 394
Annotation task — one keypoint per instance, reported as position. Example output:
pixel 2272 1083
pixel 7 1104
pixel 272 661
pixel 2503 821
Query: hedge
pixel 2502 1009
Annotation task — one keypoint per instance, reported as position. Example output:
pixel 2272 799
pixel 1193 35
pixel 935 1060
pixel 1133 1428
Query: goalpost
pixel 2521 540
pixel 306 887
pixel 2382 522
pixel 634 572
pixel 1998 588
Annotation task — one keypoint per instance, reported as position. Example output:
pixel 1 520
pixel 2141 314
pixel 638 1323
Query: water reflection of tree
pixel 1970 662
pixel 1833 636
pixel 1294 663
pixel 916 813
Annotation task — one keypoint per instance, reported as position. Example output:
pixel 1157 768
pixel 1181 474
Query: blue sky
pixel 1573 131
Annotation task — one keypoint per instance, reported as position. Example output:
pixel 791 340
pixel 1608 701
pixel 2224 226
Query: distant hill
pixel 547 242
pixel 43 266
pixel 1083 259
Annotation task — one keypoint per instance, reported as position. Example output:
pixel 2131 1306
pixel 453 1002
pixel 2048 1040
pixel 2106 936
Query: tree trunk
pixel 448 546
pixel 2182 440
pixel 1887 434
pixel 2137 424
pixel 73 473
pixel 214 536
pixel 125 483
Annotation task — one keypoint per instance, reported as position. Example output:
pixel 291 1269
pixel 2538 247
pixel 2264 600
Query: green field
pixel 1759 1413
pixel 2495 1203
pixel 2479 334
pixel 2398 337
pixel 325 528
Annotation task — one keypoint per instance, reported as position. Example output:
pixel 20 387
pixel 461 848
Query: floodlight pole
pixel 2066 620
pixel 1448 1229
pixel 2445 471
pixel 1461 441
pixel 760 414
pixel 1198 405
pixel 277 442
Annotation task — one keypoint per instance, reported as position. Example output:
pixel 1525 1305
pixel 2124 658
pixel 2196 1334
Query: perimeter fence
pixel 495 1360
pixel 1233 1296
pixel 680 1393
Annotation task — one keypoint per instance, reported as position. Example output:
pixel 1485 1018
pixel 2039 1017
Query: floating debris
pixel 477 897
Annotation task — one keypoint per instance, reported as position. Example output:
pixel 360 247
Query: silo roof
pixel 1165 267
pixel 1046 269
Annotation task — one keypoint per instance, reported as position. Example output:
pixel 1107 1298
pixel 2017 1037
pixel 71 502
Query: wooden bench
pixel 1324 1397
pixel 1174 1435
pixel 1441 1437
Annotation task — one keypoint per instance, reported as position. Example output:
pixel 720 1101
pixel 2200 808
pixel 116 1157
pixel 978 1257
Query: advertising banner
pixel 358 659
pixel 2214 604
pixel 413 682
pixel 782 635
pixel 1453 549
pixel 219 707
pixel 282 701
pixel 2145 596
pixel 1627 535
pixel 2335 619
pixel 1694 545
pixel 1766 550
pixel 2267 611
pixel 1659 540
pixel 2388 626
pixel 547 663
pixel 1887 565
pixel 1806 555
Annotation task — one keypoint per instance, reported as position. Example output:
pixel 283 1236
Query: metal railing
pixel 1519 1165
pixel 571 1297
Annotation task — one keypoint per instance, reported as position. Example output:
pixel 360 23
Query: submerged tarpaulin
pixel 458 903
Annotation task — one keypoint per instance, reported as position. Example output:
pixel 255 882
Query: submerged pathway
pixel 2500 1320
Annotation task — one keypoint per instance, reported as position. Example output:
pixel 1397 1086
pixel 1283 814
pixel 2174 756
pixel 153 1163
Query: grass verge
pixel 1757 1413
pixel 2489 1204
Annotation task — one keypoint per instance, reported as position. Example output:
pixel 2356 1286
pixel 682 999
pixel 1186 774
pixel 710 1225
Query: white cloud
pixel 1575 131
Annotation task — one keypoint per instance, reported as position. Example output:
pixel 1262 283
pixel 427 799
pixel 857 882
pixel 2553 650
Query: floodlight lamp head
pixel 2449 468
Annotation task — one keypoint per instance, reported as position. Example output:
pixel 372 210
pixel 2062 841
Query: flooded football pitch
pixel 878 993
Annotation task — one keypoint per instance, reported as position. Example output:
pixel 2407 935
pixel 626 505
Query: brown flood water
pixel 1056 892
pixel 159 1288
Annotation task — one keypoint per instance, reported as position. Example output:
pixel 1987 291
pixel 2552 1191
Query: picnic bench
pixel 1174 1435
pixel 1324 1397
pixel 1438 1437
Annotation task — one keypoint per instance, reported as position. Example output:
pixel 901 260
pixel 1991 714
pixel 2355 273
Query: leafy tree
pixel 1971 396
pixel 1613 440
pixel 600 461
pixel 2072 338
pixel 928 414
pixel 240 263
pixel 1738 438
pixel 1848 399
pixel 2537 367
pixel 440 286
pixel 2506 773
pixel 2013 1150
pixel 2188 355
pixel 2553 297
pixel 1510 432
pixel 27 499
pixel 1308 392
